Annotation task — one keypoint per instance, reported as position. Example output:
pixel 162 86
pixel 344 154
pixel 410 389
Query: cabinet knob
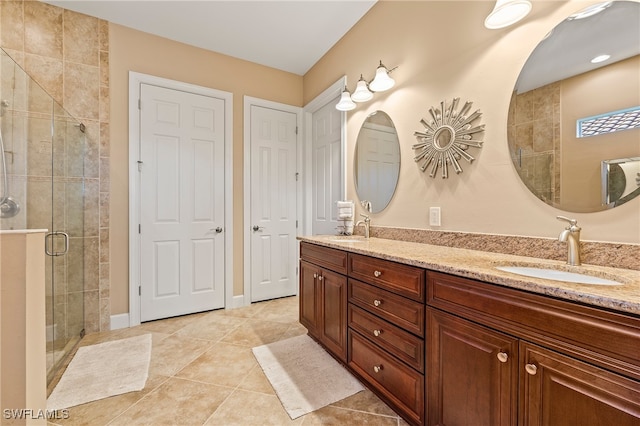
pixel 377 368
pixel 315 275
pixel 531 369
pixel 377 332
pixel 503 357
pixel 377 273
pixel 377 302
pixel 320 277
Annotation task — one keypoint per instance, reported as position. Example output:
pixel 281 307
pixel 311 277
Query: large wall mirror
pixel 376 164
pixel 566 104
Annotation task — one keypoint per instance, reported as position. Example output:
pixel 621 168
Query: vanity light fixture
pixel 382 81
pixel 364 90
pixel 362 93
pixel 345 103
pixel 507 12
pixel 600 58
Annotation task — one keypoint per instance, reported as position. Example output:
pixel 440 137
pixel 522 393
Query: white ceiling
pixel 290 35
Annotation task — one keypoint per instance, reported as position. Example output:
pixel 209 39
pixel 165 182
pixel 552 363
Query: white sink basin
pixel 553 274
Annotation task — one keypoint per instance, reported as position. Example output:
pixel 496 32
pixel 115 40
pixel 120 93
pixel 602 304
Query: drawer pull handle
pixel 377 368
pixel 377 332
pixel 377 302
pixel 502 357
pixel 531 369
pixel 377 273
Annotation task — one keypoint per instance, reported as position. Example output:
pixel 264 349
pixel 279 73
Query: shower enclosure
pixel 42 187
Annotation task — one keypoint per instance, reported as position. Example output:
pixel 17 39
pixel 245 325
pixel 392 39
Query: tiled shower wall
pixel 534 122
pixel 67 53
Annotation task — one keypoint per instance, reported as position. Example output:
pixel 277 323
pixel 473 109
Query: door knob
pixel 257 228
pixel 218 230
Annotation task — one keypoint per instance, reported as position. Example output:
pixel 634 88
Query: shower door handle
pixel 48 241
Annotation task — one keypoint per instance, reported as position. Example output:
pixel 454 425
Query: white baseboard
pixel 119 321
pixel 237 302
pixel 122 320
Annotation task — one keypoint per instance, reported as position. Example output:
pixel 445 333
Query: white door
pixel 273 203
pixel 181 202
pixel 378 164
pixel 326 168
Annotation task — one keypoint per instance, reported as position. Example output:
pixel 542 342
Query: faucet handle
pixel 572 222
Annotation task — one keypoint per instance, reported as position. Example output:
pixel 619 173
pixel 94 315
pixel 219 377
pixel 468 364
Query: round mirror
pixel 377 161
pixel 573 120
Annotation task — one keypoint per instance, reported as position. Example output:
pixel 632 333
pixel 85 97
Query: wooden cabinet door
pixel 309 298
pixel 472 373
pixel 333 315
pixel 557 390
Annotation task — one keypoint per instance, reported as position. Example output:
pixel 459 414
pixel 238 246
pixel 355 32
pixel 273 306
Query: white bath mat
pixel 304 376
pixel 103 370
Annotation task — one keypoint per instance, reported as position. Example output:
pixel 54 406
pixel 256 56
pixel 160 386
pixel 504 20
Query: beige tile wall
pixel 67 53
pixel 534 122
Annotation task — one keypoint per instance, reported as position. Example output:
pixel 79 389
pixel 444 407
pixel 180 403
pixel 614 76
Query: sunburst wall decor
pixel 446 138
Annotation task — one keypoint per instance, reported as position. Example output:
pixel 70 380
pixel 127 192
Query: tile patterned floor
pixel 203 372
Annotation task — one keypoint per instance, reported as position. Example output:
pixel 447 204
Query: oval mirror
pixel 377 161
pixel 572 121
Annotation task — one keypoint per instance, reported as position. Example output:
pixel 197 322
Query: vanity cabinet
pixel 386 331
pixel 323 297
pixel 497 354
pixel 472 373
pixel 441 349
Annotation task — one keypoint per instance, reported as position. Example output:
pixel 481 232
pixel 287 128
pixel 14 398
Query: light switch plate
pixel 434 216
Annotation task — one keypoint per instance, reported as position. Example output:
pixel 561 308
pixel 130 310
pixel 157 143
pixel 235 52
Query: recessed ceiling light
pixel 590 11
pixel 600 58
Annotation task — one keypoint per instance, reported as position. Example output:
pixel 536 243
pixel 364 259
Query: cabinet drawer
pixel 396 341
pixel 608 339
pixel 330 258
pixel 398 310
pixel 401 386
pixel 405 280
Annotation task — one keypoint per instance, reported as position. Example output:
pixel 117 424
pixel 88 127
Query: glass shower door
pixel 65 241
pixel 44 153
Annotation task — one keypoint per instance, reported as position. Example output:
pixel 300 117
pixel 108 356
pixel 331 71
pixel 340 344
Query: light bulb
pixel 507 12
pixel 382 81
pixel 345 103
pixel 362 92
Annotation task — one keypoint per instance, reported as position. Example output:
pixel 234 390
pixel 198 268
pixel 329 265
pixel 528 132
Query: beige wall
pixel 444 51
pixel 144 53
pixel 606 89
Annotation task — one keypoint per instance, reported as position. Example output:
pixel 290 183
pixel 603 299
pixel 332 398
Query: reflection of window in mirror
pixel 615 121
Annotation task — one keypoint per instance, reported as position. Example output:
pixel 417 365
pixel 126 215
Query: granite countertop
pixel 482 266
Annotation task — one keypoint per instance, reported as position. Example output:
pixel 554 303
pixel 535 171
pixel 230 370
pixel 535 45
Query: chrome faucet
pixel 571 235
pixel 366 222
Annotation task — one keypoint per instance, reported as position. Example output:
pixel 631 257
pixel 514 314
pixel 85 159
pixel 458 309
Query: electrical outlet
pixel 434 216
